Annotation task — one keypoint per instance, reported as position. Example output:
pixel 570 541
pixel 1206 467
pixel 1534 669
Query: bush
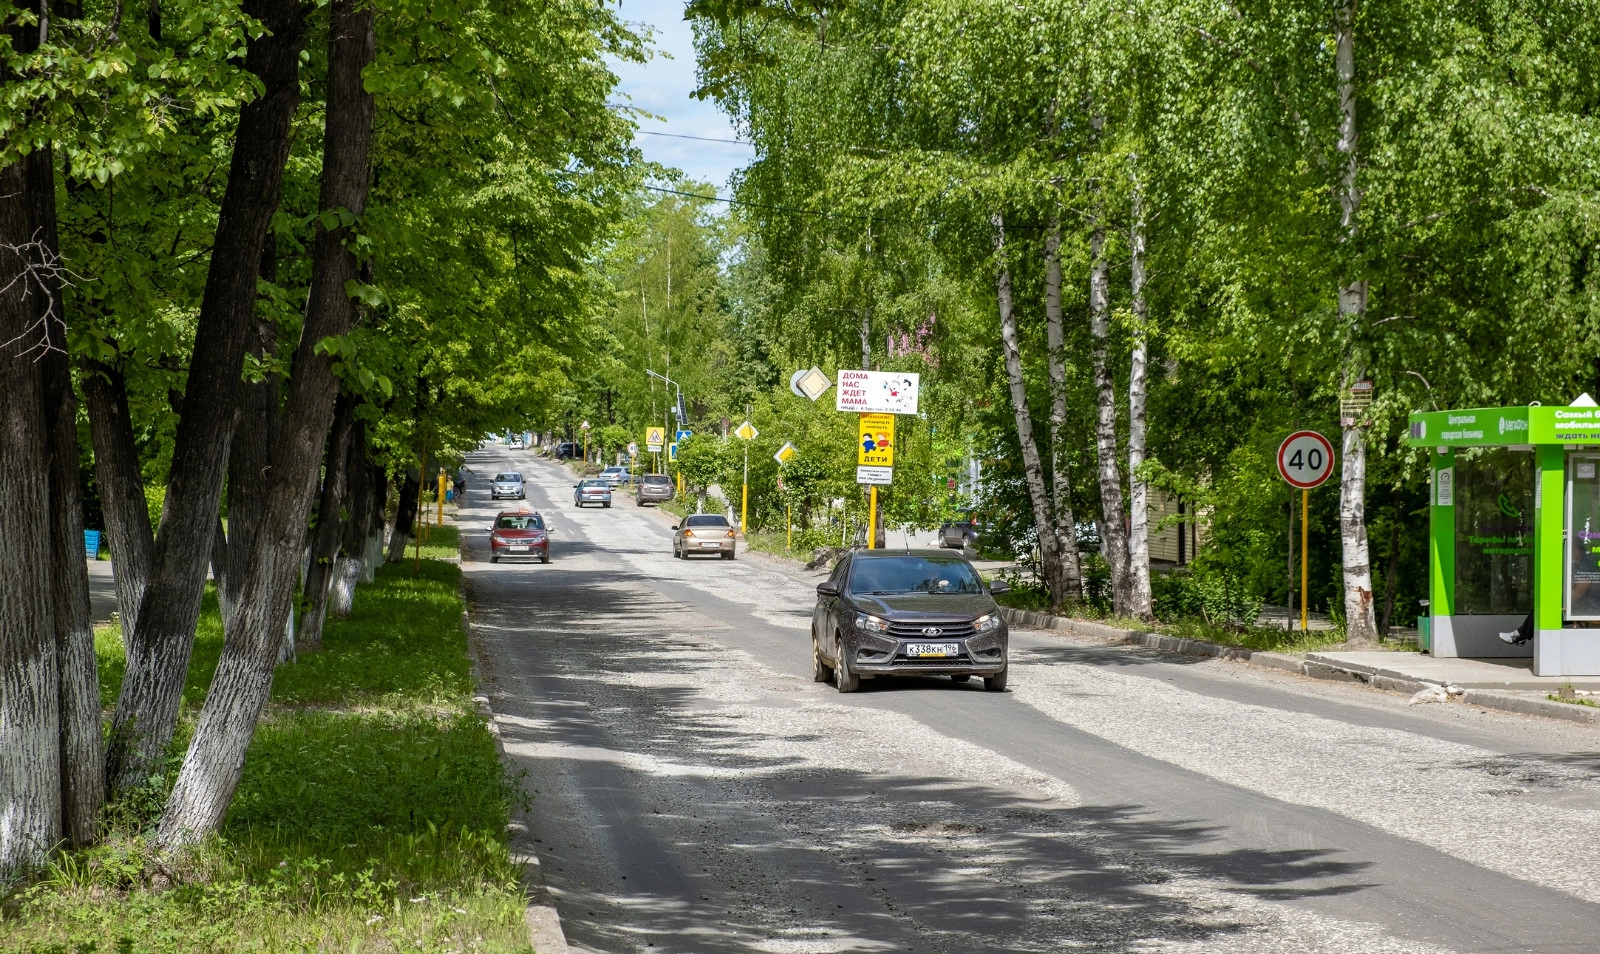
pixel 1216 595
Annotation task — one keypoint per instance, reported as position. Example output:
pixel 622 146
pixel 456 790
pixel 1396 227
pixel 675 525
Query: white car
pixel 508 485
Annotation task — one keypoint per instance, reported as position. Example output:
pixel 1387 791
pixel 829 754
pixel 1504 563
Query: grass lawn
pixel 371 816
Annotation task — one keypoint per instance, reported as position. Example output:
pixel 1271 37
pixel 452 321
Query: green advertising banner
pixel 1564 425
pixel 1473 427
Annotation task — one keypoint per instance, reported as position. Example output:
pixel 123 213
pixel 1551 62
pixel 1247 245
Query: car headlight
pixel 871 624
pixel 986 624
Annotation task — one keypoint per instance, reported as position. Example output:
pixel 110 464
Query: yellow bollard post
pixel 440 519
pixel 872 520
pixel 744 504
pixel 789 511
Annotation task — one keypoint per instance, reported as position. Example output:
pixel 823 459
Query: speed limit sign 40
pixel 1305 459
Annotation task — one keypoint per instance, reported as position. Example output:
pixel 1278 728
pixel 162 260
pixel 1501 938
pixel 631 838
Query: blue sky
pixel 662 86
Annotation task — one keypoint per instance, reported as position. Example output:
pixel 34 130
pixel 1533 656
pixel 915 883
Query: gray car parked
pixel 654 488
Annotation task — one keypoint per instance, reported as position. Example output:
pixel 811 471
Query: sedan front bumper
pixel 874 654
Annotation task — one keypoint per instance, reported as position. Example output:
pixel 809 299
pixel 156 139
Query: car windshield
pixel 520 521
pixel 886 576
pixel 508 478
pixel 706 520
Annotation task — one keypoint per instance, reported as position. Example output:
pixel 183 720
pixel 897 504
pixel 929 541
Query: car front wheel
pixel 996 682
pixel 843 679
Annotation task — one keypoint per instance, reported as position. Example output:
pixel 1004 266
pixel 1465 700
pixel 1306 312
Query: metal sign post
pixel 1305 460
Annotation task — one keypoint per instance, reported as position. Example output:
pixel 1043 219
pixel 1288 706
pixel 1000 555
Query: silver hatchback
pixel 508 485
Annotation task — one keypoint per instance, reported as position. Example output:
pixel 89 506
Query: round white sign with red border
pixel 1305 459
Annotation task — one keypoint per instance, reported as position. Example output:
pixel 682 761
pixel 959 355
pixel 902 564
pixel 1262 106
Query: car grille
pixel 957 630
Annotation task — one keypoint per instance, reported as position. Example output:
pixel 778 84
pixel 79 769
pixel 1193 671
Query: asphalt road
pixel 694 791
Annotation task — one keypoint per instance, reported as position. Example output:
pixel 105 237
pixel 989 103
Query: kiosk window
pixel 1583 539
pixel 1494 533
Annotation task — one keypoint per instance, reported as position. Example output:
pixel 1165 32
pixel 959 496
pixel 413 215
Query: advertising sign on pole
pixel 875 441
pixel 654 438
pixel 881 476
pixel 881 392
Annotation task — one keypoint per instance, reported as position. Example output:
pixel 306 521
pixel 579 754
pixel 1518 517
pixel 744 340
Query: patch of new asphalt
pixel 694 790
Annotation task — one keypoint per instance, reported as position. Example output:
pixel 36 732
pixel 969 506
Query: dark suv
pixel 905 613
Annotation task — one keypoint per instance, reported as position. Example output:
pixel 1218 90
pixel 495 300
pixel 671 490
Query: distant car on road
pixel 508 485
pixel 907 613
pixel 962 532
pixel 614 475
pixel 592 490
pixel 519 535
pixel 568 450
pixel 703 533
pixel 654 488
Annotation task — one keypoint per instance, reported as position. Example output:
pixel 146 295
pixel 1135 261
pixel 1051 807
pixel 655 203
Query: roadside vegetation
pixel 371 814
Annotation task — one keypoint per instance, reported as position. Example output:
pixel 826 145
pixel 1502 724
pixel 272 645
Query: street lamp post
pixel 585 427
pixel 666 417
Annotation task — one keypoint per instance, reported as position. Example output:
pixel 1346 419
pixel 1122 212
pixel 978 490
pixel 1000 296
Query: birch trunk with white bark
pixel 1055 578
pixel 1360 625
pixel 1064 524
pixel 405 515
pixel 1138 489
pixel 1113 528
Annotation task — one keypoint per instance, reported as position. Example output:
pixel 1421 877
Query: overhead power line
pixel 737 142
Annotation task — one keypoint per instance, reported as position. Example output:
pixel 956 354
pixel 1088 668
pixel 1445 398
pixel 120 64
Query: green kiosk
pixel 1515 531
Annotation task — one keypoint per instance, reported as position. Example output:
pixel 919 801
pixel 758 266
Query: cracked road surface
pixel 694 791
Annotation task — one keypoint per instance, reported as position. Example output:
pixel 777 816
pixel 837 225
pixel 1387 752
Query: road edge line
pixel 539 915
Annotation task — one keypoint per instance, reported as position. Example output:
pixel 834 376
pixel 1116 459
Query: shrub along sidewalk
pixel 371 815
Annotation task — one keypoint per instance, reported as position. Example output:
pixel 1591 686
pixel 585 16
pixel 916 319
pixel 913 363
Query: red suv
pixel 519 534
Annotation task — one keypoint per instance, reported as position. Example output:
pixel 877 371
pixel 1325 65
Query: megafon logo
pixel 1419 430
pixel 1512 425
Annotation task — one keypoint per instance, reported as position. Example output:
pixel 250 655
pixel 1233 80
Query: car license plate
pixel 931 649
pixel 711 544
pixel 519 549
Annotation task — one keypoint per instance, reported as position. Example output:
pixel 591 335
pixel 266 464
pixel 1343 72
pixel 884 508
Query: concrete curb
pixel 1309 666
pixel 540 915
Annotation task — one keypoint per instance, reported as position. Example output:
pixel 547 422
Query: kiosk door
pixel 1581 595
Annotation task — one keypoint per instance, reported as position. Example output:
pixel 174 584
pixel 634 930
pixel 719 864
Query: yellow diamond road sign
pixel 785 453
pixel 746 432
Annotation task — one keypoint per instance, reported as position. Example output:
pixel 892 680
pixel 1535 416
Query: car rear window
pixel 706 520
pixel 594 482
pixel 530 521
pixel 885 576
pixel 657 479
pixel 508 478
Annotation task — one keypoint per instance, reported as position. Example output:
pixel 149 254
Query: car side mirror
pixel 999 586
pixel 827 588
pixel 674 526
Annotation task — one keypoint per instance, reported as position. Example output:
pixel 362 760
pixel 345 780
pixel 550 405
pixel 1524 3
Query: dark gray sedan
pixel 592 490
pixel 908 613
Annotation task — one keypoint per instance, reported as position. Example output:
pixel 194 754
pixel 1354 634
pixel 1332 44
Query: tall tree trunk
pixel 330 524
pixel 1113 529
pixel 405 515
pixel 30 685
pixel 352 546
pixel 83 778
pixel 1138 489
pixel 1360 627
pixel 243 680
pixel 158 657
pixel 121 481
pixel 1056 581
pixel 1066 527
pixel 373 554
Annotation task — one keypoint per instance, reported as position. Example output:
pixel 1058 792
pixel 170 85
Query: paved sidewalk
pixel 1466 673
